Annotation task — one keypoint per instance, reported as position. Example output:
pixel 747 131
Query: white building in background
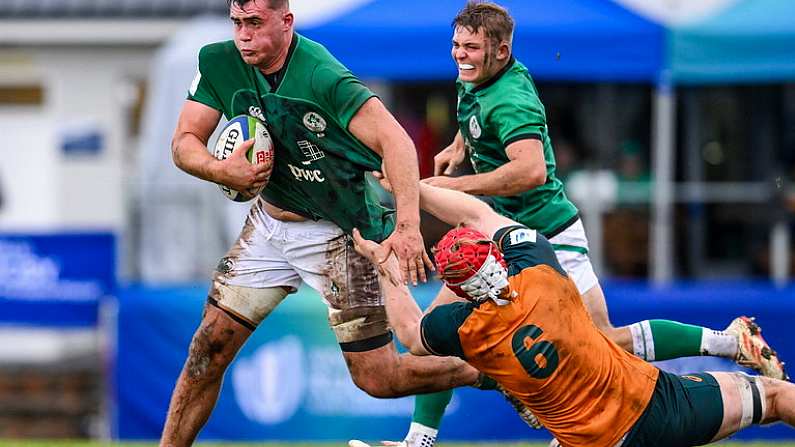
pixel 89 96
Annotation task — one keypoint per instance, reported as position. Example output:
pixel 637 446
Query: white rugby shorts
pixel 273 253
pixel 571 249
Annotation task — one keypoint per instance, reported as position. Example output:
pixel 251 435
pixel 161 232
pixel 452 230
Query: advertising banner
pixel 55 280
pixel 290 381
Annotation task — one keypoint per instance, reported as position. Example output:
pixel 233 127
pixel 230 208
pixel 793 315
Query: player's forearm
pixel 402 169
pixel 403 312
pixel 507 180
pixel 452 207
pixel 190 154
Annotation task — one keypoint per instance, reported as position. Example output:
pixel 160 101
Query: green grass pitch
pixel 26 443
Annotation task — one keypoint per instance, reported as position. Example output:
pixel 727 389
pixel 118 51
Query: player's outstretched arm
pixel 189 150
pixel 374 126
pixel 458 208
pixel 403 312
pixel 455 207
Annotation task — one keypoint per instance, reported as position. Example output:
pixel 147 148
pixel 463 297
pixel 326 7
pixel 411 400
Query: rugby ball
pixel 238 130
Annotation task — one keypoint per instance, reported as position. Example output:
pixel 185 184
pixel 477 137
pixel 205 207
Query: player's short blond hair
pixel 493 19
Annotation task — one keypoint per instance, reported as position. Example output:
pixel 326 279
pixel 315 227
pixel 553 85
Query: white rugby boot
pixel 418 436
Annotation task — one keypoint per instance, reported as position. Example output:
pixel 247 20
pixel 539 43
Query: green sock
pixel 429 408
pixel 664 339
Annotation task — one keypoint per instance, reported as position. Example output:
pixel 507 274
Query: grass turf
pixel 26 443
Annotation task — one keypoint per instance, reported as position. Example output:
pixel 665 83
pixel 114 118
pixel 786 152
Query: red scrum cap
pixel 471 265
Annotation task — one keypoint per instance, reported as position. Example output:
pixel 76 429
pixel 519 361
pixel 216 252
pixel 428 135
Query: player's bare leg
pixel 777 397
pixel 214 345
pixel 595 303
pixel 381 372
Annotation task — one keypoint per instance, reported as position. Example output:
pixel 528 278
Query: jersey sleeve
pixel 439 328
pixel 343 93
pixel 201 89
pixel 524 248
pixel 520 118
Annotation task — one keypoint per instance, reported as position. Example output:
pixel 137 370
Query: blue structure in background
pixel 290 382
pixel 561 40
pixel 55 280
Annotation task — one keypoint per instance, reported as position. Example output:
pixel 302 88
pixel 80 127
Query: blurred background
pixel 673 124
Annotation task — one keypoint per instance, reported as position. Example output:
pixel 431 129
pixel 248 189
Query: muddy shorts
pixel 272 253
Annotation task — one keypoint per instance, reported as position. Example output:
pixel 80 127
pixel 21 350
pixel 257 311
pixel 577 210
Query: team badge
pixel 314 122
pixel 474 127
pixel 256 112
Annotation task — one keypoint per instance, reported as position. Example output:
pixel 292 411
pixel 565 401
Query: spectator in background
pixel 634 178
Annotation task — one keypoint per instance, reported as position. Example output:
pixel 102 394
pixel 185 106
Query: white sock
pixel 421 435
pixel 719 343
pixel 642 340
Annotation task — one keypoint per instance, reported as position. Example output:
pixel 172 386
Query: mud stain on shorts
pixel 351 279
pixel 226 266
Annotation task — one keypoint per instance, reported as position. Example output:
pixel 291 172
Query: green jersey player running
pixel 329 129
pixel 503 129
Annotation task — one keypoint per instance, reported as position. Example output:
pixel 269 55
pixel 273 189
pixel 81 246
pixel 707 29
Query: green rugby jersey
pixel 319 169
pixel 503 110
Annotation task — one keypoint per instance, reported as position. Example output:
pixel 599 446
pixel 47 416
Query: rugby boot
pixel 412 440
pixel 527 416
pixel 753 351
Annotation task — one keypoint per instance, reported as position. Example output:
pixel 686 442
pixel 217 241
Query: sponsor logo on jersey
pixel 522 235
pixel 474 127
pixel 311 151
pixel 256 112
pixel 307 175
pixel 314 122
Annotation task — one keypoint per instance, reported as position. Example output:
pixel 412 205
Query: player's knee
pixel 207 358
pixel 375 384
pixel 772 392
pixel 214 346
pixel 378 372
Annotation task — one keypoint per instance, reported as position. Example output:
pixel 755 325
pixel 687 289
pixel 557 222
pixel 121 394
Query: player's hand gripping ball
pixel 239 129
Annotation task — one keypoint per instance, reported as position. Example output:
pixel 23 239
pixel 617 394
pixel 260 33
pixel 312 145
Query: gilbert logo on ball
pixel 238 130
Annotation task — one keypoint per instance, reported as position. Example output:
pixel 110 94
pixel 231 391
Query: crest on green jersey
pixel 314 122
pixel 474 127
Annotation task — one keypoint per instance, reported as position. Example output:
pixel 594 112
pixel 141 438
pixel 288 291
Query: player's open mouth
pixel 466 67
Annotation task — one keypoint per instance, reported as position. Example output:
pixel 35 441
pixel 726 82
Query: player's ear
pixel 287 20
pixel 503 51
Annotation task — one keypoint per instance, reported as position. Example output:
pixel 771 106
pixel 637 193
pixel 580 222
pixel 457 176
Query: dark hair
pixel 272 4
pixel 495 20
